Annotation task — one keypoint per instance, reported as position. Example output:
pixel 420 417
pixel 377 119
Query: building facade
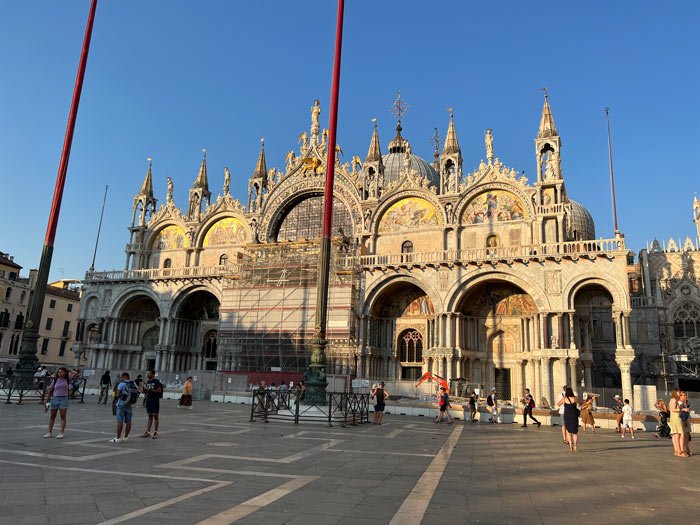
pixel 474 272
pixel 14 299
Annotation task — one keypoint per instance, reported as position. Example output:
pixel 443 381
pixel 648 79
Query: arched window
pixel 411 347
pixel 22 297
pixel 167 263
pixel 8 293
pixel 223 260
pixel 686 321
pixel 407 247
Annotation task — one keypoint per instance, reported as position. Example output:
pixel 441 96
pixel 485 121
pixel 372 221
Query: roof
pixel 394 164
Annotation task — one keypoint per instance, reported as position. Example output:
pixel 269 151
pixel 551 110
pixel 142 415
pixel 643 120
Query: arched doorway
pixel 197 317
pixel 596 336
pixel 398 331
pixel 209 350
pixel 131 344
pixel 496 330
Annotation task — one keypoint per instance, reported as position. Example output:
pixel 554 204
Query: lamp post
pixel 315 375
pixel 28 362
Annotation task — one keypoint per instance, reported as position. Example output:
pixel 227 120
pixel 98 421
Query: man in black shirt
pixel 153 391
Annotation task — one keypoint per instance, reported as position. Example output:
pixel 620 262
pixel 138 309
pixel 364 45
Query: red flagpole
pixel 30 335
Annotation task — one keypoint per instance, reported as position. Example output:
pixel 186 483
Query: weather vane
pixel 399 108
pixel 545 91
pixel 451 112
pixel 204 152
pixel 436 140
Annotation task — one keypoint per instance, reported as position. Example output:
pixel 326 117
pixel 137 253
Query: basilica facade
pixel 466 269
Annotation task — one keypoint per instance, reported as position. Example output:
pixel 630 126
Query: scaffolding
pixel 268 313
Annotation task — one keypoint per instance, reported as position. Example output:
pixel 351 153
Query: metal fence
pixel 20 389
pixel 341 408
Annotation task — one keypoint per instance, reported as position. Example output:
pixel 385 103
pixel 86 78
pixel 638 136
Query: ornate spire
pixel 375 153
pixel 147 186
pixel 201 180
pixel 547 127
pixel 399 144
pixel 451 142
pixel 261 166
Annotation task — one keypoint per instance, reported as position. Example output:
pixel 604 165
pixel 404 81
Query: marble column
pixel 573 373
pixel 625 363
pixel 546 381
pixel 587 378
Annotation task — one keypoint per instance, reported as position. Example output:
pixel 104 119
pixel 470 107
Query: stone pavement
pixel 212 467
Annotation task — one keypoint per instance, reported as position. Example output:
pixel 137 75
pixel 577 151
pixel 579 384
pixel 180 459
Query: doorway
pixel 503 383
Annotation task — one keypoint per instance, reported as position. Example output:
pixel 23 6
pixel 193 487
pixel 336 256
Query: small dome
pixel 581 225
pixel 394 165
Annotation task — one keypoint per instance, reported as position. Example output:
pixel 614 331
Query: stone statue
pixel 452 181
pixel 356 164
pixel 255 228
pixel 227 180
pixel 448 211
pixel 368 219
pixel 555 342
pixel 488 139
pixel 290 159
pixel 304 139
pixel 315 112
pixel 169 197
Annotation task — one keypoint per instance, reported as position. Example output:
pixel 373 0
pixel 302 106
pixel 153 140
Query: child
pixel 627 419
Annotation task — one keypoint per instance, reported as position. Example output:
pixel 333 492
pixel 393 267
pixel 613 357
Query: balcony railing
pixel 150 274
pixel 644 301
pixel 476 255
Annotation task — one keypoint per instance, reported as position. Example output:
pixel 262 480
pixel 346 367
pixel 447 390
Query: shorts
pixel 124 413
pixel 443 408
pixel 152 406
pixel 379 407
pixel 627 423
pixel 59 402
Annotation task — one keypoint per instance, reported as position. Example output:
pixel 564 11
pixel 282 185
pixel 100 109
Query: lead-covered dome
pixel 580 224
pixel 395 163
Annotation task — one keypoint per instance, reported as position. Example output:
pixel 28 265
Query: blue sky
pixel 166 78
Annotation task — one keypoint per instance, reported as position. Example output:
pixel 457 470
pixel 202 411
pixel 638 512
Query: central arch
pixel 194 328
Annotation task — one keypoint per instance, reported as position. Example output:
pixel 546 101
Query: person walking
pixel 617 409
pixel 528 404
pixel 127 393
pixel 571 414
pixel 587 413
pixel 443 399
pixel 492 402
pixel 627 419
pixel 561 413
pixel 58 396
pixel 472 407
pixel 152 390
pixel 105 384
pixel 677 426
pixel 380 396
pixel 186 397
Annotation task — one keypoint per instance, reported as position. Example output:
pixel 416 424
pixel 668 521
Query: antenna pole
pixel 612 174
pixel 99 228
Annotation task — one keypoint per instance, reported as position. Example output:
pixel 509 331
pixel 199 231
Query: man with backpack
pixel 492 402
pixel 528 404
pixel 153 391
pixel 127 394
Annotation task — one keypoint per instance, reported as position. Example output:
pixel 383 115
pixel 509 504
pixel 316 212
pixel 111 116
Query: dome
pixel 581 225
pixel 394 165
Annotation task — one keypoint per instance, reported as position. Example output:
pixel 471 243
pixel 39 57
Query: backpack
pixel 130 393
pixel 532 403
pixel 489 400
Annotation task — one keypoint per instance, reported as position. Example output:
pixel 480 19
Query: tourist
pixel 662 429
pixel 677 426
pixel 492 402
pixel 528 404
pixel 105 383
pixel 571 414
pixel 186 397
pixel 58 396
pixel 380 396
pixel 127 393
pixel 75 382
pixel 561 413
pixel 301 392
pixel 617 408
pixel 444 406
pixel 152 390
pixel 472 407
pixel 284 395
pixel 687 425
pixel 587 413
pixel 9 374
pixel 627 419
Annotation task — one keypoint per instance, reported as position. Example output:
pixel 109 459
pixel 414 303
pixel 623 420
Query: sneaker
pixel 632 437
pixel 116 440
pixel 622 436
pixel 146 434
pixel 523 426
pixel 60 436
pixel 190 408
pixel 539 424
pixel 155 435
pixel 125 440
pixel 48 435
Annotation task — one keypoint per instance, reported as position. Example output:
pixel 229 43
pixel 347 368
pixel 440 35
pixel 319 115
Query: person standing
pixel 528 404
pixel 492 402
pixel 9 374
pixel 571 413
pixel 58 395
pixel 677 426
pixel 687 425
pixel 105 384
pixel 472 407
pixel 627 419
pixel 301 392
pixel 587 413
pixel 127 394
pixel 617 408
pixel 152 392
pixel 186 397
pixel 380 396
pixel 561 413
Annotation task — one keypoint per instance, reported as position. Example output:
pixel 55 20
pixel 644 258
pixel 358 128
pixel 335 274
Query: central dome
pixel 394 165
